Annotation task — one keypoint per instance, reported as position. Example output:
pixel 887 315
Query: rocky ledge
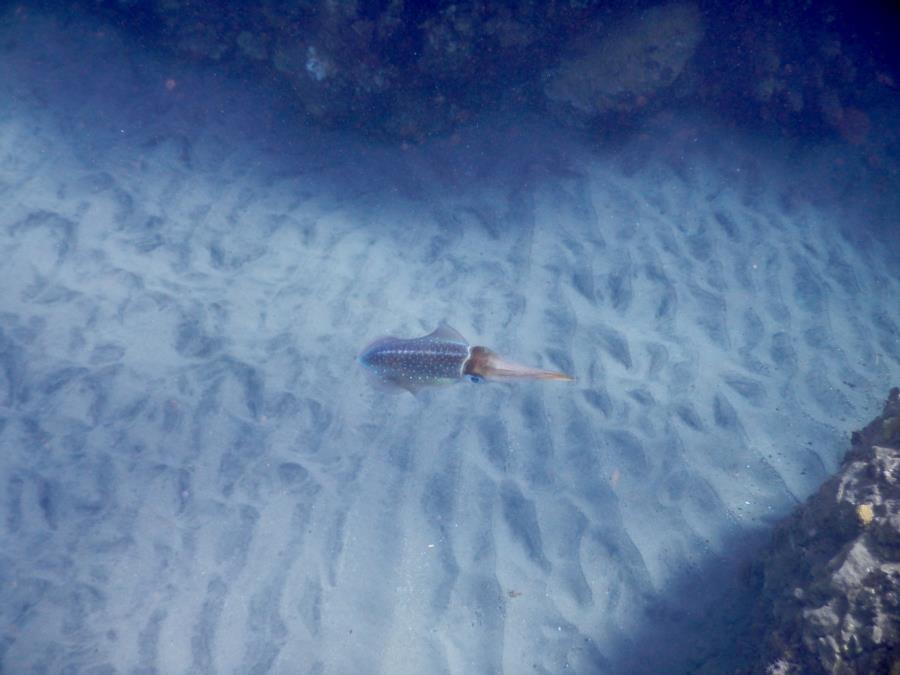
pixel 828 585
pixel 411 70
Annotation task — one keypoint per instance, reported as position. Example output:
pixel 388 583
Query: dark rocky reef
pixel 828 586
pixel 414 69
pixel 406 69
pixel 611 70
pixel 804 66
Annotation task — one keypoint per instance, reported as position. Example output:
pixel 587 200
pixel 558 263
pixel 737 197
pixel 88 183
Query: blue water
pixel 195 476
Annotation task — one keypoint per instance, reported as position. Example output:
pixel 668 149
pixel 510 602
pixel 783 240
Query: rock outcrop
pixel 805 67
pixel 404 69
pixel 620 69
pixel 829 583
pixel 411 69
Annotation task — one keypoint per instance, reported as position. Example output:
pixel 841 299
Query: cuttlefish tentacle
pixel 482 362
pixel 442 357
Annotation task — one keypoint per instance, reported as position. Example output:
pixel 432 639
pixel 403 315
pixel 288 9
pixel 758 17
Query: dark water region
pixel 206 212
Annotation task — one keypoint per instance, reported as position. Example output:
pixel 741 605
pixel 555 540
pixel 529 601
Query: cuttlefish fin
pixel 393 387
pixel 445 331
pixel 383 385
pixel 374 343
pixel 413 389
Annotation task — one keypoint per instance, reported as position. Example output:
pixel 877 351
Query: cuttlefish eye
pixel 475 378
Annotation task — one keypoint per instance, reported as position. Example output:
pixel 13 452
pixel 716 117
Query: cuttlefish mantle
pixel 442 357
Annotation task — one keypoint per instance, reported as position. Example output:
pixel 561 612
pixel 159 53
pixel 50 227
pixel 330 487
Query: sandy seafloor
pixel 195 476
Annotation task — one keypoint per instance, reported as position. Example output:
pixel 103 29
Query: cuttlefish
pixel 442 357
